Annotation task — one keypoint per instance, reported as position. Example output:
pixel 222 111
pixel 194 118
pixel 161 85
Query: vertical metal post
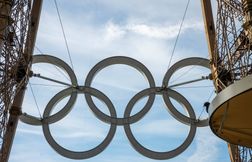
pixel 210 36
pixel 15 109
pixel 5 8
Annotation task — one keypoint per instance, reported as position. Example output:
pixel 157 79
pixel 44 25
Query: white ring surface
pixel 179 116
pixel 82 154
pixel 29 119
pixel 168 154
pixel 118 60
pixel 88 91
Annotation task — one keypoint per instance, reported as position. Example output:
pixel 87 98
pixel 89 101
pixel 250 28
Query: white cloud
pixel 144 41
pixel 100 35
pixel 29 131
pixel 31 155
pixel 66 131
pixel 162 31
pixel 76 127
pixel 146 10
pixel 165 127
pixel 158 31
pixel 207 147
pixel 154 32
pixel 113 31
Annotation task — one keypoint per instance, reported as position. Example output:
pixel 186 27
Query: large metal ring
pixel 153 154
pixel 29 119
pixel 83 154
pixel 112 119
pixel 176 114
pixel 126 61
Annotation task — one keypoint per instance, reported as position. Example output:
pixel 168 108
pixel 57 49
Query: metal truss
pixel 14 20
pixel 233 55
pixel 233 43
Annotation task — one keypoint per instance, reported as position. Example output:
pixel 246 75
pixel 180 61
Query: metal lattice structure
pixel 19 20
pixel 14 20
pixel 233 56
pixel 234 59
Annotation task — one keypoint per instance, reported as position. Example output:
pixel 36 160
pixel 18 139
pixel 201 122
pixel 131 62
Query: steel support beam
pixel 5 8
pixel 15 110
pixel 210 36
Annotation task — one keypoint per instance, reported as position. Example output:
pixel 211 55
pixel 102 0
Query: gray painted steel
pixel 112 119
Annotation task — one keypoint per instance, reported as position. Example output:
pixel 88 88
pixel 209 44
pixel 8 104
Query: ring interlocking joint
pixel 113 120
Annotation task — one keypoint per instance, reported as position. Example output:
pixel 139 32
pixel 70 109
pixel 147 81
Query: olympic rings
pixel 161 155
pixel 112 119
pixel 119 60
pixel 175 113
pixel 59 115
pixel 85 154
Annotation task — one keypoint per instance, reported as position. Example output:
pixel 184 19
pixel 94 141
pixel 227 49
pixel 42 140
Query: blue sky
pixel 97 29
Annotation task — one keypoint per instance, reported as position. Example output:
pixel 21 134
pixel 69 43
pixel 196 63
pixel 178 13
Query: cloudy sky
pixel 145 30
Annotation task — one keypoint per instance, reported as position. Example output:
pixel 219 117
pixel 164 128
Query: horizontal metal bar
pixel 188 82
pixel 53 80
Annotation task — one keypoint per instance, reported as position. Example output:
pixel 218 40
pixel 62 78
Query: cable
pixel 211 95
pixel 57 68
pixel 208 102
pixel 64 35
pixel 176 41
pixel 35 100
pixel 187 71
pixel 47 85
pixel 192 87
pixel 36 47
